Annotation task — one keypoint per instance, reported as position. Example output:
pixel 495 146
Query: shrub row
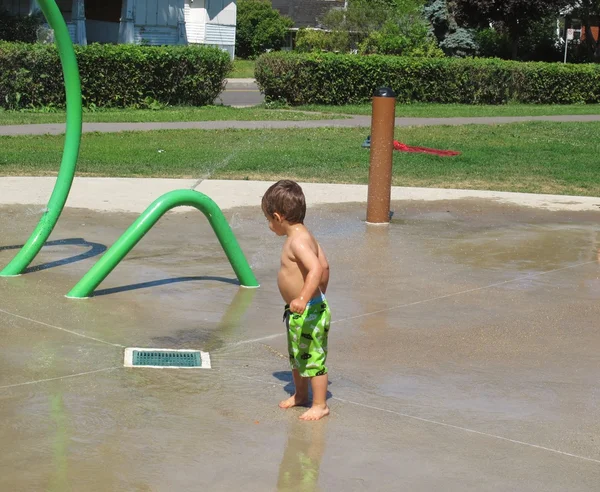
pixel 326 78
pixel 113 75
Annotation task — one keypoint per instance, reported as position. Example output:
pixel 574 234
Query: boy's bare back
pixel 300 250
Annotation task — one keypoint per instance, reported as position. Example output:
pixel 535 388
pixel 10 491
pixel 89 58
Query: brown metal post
pixel 382 149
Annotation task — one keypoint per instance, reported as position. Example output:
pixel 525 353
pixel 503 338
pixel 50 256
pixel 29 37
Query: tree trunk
pixel 589 43
pixel 515 46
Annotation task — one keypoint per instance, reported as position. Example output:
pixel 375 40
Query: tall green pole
pixel 71 148
pixel 190 198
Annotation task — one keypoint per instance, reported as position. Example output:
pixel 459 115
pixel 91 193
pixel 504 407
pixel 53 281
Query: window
pixel 104 10
pixel 575 25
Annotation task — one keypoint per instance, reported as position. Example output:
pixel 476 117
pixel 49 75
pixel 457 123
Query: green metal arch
pixel 86 286
pixel 71 148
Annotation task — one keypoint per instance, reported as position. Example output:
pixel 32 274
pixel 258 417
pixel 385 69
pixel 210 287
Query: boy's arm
pixel 306 257
pixel 325 275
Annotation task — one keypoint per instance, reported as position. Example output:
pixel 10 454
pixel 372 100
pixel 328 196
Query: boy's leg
pixel 300 396
pixel 294 332
pixel 319 407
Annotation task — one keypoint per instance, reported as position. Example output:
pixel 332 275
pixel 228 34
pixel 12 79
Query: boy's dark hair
pixel 287 199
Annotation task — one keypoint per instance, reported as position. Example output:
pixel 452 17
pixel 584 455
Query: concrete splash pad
pixel 463 356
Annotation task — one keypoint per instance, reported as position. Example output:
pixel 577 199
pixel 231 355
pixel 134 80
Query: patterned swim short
pixel 307 335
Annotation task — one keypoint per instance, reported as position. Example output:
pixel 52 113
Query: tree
pixel 412 39
pixel 384 26
pixel 19 28
pixel 513 16
pixel 367 16
pixel 259 28
pixel 453 39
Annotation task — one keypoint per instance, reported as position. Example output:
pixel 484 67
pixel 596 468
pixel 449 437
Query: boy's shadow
pixel 286 377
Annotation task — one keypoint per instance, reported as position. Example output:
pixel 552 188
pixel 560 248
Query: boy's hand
pixel 298 306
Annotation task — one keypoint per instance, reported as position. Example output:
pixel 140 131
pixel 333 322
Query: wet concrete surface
pixel 463 356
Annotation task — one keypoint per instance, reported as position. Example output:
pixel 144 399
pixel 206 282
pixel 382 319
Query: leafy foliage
pixel 538 43
pixel 17 28
pixel 454 40
pixel 367 16
pixel 515 17
pixel 113 75
pixel 408 39
pixel 384 26
pixel 308 40
pixel 346 79
pixel 259 28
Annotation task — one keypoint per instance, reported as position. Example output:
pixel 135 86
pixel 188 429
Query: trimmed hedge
pixel 326 78
pixel 113 75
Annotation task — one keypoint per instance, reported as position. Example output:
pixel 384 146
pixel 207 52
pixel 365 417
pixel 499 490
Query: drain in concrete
pixel 166 358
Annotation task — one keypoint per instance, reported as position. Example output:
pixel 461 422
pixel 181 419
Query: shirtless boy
pixel 302 280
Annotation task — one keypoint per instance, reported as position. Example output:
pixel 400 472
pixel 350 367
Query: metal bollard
pixel 382 148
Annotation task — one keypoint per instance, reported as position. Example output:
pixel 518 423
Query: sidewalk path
pixel 135 194
pixel 240 93
pixel 352 122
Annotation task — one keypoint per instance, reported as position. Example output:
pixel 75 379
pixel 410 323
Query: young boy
pixel 302 280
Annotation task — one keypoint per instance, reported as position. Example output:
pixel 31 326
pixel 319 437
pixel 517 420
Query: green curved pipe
pixel 71 148
pixel 190 198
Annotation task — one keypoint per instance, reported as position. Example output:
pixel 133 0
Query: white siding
pixel 219 35
pixel 156 12
pixel 155 35
pixel 145 12
pixel 195 21
pixel 71 27
pixel 162 14
pixel 222 12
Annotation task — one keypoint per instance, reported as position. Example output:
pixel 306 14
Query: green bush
pixel 327 78
pixel 308 40
pixel 113 75
pixel 538 43
pixel 408 40
pixel 19 28
pixel 453 39
pixel 493 43
pixel 259 28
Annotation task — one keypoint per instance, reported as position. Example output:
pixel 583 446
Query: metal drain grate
pixel 166 358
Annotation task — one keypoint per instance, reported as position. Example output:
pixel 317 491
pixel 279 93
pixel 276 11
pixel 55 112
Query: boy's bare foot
pixel 315 413
pixel 293 401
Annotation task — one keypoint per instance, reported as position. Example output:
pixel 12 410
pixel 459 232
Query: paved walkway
pixel 135 194
pixel 240 93
pixel 352 122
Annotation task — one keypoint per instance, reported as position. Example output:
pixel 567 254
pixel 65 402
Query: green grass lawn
pixel 463 110
pixel 539 157
pixel 204 113
pixel 242 69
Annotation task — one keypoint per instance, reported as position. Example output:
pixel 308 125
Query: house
pixel 152 22
pixel 306 13
pixel 578 27
pixel 576 20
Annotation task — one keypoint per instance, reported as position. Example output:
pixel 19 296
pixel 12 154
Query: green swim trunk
pixel 307 335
